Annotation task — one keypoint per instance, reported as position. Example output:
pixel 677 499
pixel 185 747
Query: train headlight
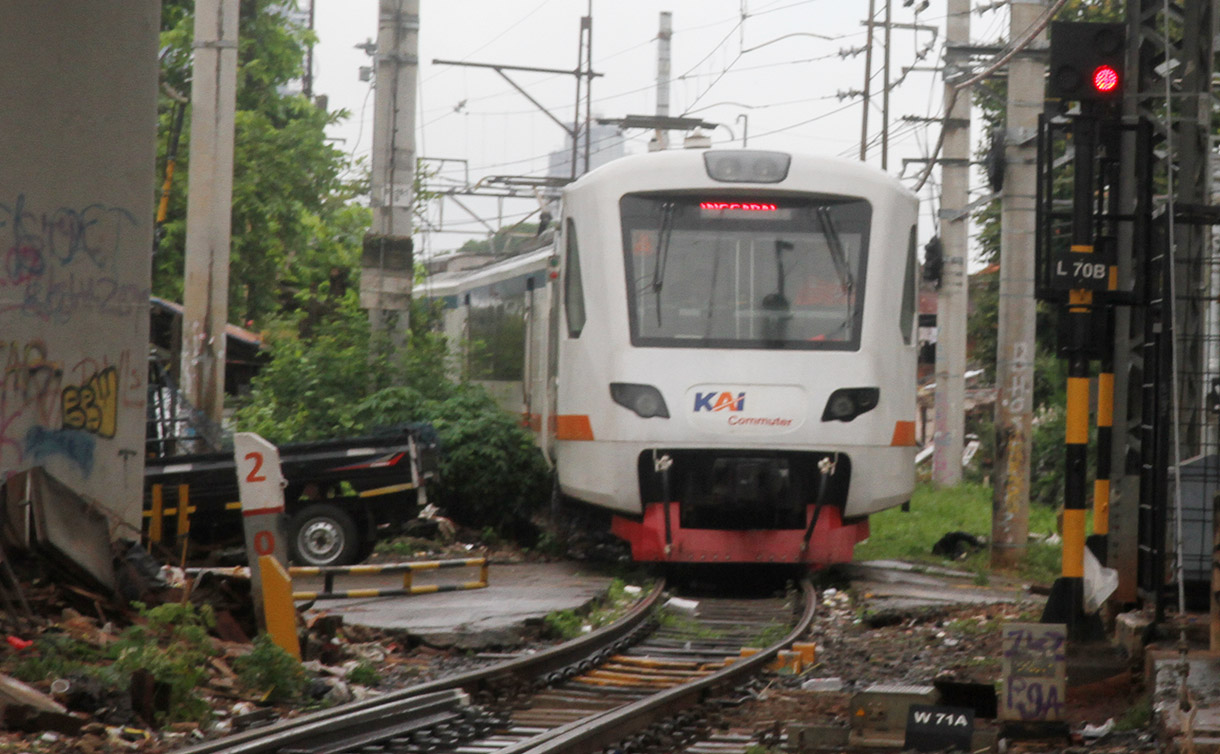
pixel 847 403
pixel 746 166
pixel 645 400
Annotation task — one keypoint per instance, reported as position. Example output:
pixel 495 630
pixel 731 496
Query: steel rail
pixel 590 736
pixel 406 701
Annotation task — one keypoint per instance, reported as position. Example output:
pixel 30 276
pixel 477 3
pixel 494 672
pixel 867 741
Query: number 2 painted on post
pixel 254 476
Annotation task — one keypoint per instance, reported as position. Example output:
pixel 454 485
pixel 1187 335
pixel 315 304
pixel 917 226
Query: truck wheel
pixel 322 534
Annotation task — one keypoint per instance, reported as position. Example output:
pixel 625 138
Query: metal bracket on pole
pixel 953 215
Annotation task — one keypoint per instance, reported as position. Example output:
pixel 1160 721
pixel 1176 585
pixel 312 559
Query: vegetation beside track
pixel 909 535
pixel 618 599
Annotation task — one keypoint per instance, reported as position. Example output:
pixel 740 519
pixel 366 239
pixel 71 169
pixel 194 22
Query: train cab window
pixel 906 317
pixel 573 289
pixel 785 272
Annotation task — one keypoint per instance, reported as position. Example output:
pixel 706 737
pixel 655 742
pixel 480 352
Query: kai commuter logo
pixel 723 401
pixel 728 408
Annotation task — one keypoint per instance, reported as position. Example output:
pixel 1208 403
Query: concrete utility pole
pixel 387 264
pixel 885 92
pixel 666 33
pixel 209 206
pixel 954 224
pixel 868 80
pixel 1015 345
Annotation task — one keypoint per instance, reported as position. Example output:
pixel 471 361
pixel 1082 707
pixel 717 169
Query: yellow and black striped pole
pixel 1076 453
pixel 1098 542
pixel 1066 601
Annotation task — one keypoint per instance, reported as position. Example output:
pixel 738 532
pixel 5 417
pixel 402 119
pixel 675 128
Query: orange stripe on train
pixel 904 434
pixel 573 427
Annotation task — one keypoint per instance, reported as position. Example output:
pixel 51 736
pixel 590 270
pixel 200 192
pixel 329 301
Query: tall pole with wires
pixel 954 219
pixel 1015 340
pixel 885 93
pixel 868 77
pixel 387 264
pixel 664 34
pixel 209 207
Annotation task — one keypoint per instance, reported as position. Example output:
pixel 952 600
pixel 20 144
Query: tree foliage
pixel 292 220
pixel 340 382
pixel 504 242
pixel 297 237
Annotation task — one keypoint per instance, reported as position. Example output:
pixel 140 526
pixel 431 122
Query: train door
pixel 537 368
pixel 550 374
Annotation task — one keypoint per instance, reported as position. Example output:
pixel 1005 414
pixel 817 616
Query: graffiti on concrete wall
pixel 61 263
pixel 49 411
pixel 93 406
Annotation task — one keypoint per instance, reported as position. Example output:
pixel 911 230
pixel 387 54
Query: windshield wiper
pixel 658 270
pixel 836 251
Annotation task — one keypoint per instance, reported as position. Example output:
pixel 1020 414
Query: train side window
pixel 573 289
pixel 906 318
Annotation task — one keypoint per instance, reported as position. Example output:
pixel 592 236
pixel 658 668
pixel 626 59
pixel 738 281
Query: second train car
pixel 717 351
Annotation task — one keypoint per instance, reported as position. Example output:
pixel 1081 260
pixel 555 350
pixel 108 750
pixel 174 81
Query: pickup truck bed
pixel 341 495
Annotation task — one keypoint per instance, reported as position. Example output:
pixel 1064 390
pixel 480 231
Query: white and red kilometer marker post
pixel 260 483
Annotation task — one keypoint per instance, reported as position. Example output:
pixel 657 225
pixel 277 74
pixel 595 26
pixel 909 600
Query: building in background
pixel 606 143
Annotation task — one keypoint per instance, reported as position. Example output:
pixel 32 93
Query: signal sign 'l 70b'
pixel 1086 61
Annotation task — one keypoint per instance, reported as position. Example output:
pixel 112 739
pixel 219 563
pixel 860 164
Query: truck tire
pixel 322 534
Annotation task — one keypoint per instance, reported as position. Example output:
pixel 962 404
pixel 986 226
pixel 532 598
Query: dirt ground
pixel 857 647
pixel 950 647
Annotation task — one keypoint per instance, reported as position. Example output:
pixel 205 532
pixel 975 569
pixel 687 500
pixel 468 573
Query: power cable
pixel 804 122
pixel 506 30
pixel 1035 29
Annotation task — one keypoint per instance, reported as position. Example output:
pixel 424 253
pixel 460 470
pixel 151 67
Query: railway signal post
pixel 1085 66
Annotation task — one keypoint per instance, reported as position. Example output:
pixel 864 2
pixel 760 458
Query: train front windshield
pixel 716 272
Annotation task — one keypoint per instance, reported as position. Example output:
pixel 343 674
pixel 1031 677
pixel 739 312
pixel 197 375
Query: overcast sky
pixel 778 76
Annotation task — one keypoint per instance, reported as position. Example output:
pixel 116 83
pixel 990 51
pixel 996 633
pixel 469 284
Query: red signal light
pixel 1105 79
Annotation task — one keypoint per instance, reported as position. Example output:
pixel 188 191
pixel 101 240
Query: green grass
pixel 898 535
pixel 1137 717
pixel 569 624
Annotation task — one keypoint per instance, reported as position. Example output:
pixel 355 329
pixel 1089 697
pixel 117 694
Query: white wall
pixel 77 181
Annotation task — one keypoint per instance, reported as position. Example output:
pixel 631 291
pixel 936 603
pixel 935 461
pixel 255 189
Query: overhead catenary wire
pixel 690 73
pixel 710 82
pixel 603 99
pixel 994 66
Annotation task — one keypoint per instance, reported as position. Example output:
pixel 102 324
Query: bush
pixel 365 674
pixel 271 671
pixel 492 473
pixel 334 384
pixel 173 645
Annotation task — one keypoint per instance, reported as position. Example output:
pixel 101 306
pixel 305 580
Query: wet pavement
pixel 517 594
pixel 895 585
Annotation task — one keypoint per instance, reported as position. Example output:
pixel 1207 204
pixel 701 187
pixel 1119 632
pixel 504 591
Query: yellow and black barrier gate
pixel 406 569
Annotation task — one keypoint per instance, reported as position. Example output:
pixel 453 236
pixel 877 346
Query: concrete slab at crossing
pixel 516 594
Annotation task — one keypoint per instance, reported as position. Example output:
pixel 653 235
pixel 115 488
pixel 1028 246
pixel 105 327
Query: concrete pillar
pixel 209 206
pixel 664 61
pixel 1015 347
pixel 388 260
pixel 951 306
pixel 77 179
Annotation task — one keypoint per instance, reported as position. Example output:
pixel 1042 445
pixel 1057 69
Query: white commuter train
pixel 717 350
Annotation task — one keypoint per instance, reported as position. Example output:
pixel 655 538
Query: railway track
pixel 648 682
